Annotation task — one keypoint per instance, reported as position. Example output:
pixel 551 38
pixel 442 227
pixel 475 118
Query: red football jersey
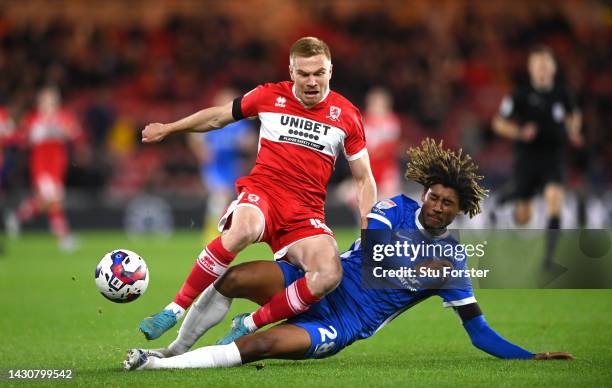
pixel 298 146
pixel 48 135
pixel 56 128
pixel 383 133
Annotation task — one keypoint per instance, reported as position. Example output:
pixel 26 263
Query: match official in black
pixel 540 118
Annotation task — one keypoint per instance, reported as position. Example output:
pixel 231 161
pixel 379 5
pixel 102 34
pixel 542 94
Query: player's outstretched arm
pixel 486 339
pixel 202 121
pixel 366 186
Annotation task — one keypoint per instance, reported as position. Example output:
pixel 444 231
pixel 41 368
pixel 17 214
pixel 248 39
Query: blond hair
pixel 309 46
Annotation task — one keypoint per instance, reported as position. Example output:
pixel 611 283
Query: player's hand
pixel 576 138
pixel 528 132
pixel 153 133
pixel 553 356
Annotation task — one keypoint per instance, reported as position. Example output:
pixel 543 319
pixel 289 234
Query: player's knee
pixel 522 214
pixel 554 199
pixel 260 346
pixel 229 284
pixel 326 278
pixel 247 233
pixel 240 235
pixel 522 218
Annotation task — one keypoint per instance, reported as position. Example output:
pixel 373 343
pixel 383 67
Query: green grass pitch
pixel 52 317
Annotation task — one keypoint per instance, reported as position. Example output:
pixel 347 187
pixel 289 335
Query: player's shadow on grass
pixel 381 362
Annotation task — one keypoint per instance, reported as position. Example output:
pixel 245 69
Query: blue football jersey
pixel 361 311
pixel 224 166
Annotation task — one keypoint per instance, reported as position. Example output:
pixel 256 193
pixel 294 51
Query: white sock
pixel 250 323
pixel 176 309
pixel 217 356
pixel 208 310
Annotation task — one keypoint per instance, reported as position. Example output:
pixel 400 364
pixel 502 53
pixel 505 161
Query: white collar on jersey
pixel 424 231
pixel 300 100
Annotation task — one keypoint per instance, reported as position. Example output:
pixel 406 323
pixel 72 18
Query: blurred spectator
pixel 132 165
pixel 7 129
pixel 446 64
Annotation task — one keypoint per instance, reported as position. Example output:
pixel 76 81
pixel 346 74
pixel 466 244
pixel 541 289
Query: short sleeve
pixel 355 142
pixel 248 105
pixel 458 290
pixel 455 297
pixel 384 215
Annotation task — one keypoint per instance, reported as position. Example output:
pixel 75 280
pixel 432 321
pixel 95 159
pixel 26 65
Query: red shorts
pixel 48 172
pixel 286 220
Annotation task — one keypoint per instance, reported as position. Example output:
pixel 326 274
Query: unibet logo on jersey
pixel 303 131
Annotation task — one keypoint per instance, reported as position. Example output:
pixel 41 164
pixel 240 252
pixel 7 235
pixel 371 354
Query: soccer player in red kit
pixel 47 130
pixel 304 126
pixel 383 130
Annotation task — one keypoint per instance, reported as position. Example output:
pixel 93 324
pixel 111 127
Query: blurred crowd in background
pixel 444 66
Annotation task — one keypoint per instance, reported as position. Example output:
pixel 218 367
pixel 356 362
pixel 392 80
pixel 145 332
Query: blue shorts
pixel 327 334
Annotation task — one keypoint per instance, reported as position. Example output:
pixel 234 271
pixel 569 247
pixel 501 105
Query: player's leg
pixel 28 208
pixel 257 281
pixel 283 342
pixel 34 205
pixel 220 193
pixel 318 257
pixel 218 199
pixel 527 180
pixel 51 189
pixel 553 197
pixel 522 211
pixel 247 226
pixel 60 226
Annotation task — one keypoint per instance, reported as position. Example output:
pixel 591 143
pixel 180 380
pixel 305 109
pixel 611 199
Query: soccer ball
pixel 122 276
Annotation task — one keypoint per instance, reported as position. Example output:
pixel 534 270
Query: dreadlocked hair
pixel 430 164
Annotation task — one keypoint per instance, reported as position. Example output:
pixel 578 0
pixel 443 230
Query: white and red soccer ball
pixel 122 276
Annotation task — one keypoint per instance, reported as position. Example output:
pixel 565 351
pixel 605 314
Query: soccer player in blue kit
pixel 352 311
pixel 221 155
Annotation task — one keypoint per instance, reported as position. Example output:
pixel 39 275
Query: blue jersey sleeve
pixel 455 297
pixel 458 290
pixel 486 339
pixel 385 214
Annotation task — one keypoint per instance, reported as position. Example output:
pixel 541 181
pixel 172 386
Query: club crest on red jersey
pixel 280 102
pixel 253 198
pixel 334 113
